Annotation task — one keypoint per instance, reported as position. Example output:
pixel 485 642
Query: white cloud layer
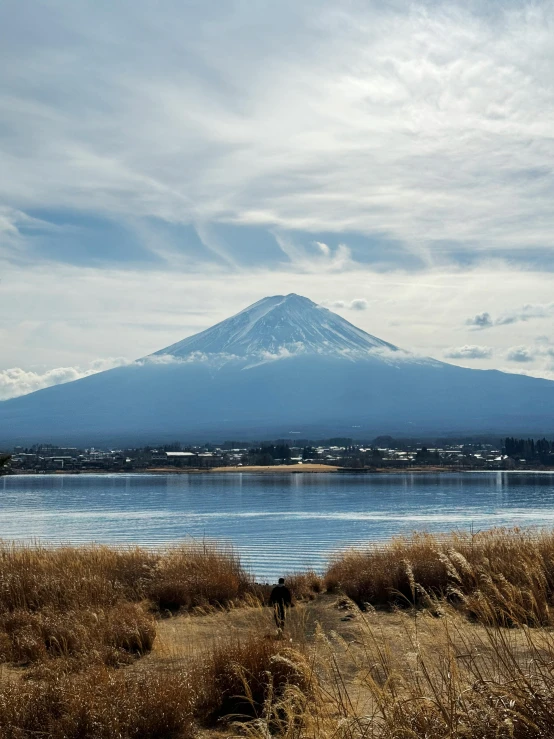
pixel 429 123
pixel 17 381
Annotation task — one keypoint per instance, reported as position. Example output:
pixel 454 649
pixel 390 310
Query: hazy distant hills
pixel 282 365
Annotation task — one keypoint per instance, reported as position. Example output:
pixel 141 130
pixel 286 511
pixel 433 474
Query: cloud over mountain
pixel 356 304
pixel 469 351
pixel 540 350
pixel 16 381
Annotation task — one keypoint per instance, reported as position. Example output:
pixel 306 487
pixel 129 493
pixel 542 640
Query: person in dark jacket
pixel 281 601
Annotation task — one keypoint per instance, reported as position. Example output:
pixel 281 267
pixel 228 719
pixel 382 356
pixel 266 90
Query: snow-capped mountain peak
pixel 329 379
pixel 276 325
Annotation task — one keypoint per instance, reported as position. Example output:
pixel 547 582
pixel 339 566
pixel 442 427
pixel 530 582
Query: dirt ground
pixel 288 468
pixel 348 648
pixel 344 641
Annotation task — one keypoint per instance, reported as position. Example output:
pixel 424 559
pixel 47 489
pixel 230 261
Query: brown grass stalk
pixel 99 704
pixel 499 576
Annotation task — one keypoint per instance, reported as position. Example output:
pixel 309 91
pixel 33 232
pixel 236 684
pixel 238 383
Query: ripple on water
pixel 279 523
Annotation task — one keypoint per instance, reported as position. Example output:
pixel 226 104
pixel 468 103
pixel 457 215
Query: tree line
pixel 269 454
pixel 529 449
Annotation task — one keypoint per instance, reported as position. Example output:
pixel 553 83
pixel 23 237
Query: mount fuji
pixel 282 365
pixel 277 325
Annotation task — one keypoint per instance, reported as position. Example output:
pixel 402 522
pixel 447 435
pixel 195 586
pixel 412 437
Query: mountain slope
pixel 282 365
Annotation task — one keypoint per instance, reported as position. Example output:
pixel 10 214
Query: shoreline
pixel 279 469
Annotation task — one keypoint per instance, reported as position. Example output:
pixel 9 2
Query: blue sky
pixel 162 165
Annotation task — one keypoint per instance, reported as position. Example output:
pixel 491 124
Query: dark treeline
pixel 269 454
pixel 529 449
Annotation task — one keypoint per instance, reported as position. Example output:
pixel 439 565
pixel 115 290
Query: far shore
pixel 301 468
pixel 319 468
pixel 290 469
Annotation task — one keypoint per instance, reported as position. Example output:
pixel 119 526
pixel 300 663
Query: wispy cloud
pixel 469 351
pixel 527 313
pixel 413 122
pixel 344 149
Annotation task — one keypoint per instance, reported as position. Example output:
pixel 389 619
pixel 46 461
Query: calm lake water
pixel 277 522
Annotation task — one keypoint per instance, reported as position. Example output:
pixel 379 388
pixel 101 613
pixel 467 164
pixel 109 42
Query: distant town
pixel 382 454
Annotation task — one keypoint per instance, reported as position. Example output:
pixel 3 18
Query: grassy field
pixel 426 637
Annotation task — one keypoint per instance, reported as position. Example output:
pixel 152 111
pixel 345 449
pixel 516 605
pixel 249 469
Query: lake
pixel 278 522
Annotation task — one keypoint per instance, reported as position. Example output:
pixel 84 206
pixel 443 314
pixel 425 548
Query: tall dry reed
pixel 499 576
pixel 93 604
pixel 448 680
pixel 193 574
pixel 239 678
pixel 438 679
pixel 198 575
pixel 100 704
pixel 233 682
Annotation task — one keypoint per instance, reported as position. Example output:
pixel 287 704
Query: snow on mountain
pixel 277 326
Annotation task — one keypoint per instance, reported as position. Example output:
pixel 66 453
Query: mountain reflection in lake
pixel 277 522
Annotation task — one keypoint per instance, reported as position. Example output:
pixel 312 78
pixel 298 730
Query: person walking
pixel 281 601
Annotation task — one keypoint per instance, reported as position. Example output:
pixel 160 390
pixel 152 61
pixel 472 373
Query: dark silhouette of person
pixel 281 601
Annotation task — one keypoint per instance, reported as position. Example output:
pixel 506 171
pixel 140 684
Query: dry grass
pixel 449 680
pixel 304 585
pixel 32 578
pixel 232 681
pixel 421 672
pixel 69 616
pixel 99 704
pixel 241 677
pixel 499 576
pixel 111 636
pixel 293 469
pixel 192 576
pixel 426 678
pixel 93 604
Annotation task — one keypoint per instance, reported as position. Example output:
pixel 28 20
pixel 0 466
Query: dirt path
pixel 184 637
pixel 329 624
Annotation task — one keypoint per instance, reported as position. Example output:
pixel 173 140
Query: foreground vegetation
pixel 499 577
pixel 427 636
pixel 99 603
